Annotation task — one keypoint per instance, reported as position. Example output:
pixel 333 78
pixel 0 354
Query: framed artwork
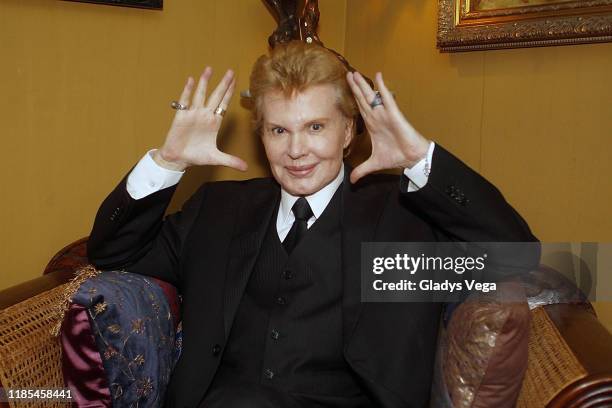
pixel 149 4
pixel 466 25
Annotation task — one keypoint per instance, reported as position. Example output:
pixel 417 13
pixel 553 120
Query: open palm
pixel 192 138
pixel 395 143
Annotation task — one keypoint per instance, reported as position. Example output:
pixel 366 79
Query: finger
pixel 387 96
pixel 215 97
pixel 365 88
pixel 364 106
pixel 362 170
pixel 234 162
pixel 228 95
pixel 200 94
pixel 186 95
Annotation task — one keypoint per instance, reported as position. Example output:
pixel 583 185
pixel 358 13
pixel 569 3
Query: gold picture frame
pixel 470 25
pixel 146 4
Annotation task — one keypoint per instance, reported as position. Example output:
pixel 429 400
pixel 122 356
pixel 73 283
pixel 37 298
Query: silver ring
pixel 377 100
pixel 220 111
pixel 178 106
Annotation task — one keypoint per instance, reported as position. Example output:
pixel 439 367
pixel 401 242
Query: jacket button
pixel 269 374
pixel 275 334
pixel 216 350
pixel 115 214
pixel 281 300
pixel 287 274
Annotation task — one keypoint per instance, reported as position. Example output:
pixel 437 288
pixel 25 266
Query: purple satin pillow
pixel 81 361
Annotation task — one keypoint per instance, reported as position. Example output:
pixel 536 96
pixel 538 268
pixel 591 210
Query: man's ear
pixel 349 132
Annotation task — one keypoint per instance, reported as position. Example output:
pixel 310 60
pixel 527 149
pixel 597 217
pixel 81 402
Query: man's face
pixel 304 137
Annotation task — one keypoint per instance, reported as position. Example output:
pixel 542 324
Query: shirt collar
pixel 317 201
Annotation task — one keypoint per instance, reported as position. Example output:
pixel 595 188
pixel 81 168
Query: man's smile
pixel 301 171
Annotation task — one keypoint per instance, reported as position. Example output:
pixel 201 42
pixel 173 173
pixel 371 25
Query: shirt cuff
pixel 149 177
pixel 419 173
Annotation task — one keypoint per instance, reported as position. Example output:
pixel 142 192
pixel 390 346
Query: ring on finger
pixel 220 111
pixel 377 101
pixel 178 106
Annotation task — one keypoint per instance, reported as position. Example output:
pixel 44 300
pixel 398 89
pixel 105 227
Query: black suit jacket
pixel 208 250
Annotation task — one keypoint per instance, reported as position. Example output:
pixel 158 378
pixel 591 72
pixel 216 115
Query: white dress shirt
pixel 317 201
pixel 149 177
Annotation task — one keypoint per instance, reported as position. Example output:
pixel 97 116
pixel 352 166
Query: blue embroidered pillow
pixel 134 331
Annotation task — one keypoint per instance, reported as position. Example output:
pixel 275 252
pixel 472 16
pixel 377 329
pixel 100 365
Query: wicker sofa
pixel 569 361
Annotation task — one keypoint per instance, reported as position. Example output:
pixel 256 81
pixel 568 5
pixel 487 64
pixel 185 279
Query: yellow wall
pixel 536 122
pixel 86 91
pixel 86 88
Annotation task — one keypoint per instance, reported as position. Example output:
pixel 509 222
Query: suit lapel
pixel 361 210
pixel 255 215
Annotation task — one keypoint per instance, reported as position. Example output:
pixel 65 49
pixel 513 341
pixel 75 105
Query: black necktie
pixel 302 212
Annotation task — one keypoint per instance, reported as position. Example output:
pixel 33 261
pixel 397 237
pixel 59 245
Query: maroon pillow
pixel 173 298
pixel 81 361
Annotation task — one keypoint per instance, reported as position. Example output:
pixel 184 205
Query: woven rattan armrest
pixel 29 353
pixel 570 359
pixel 591 345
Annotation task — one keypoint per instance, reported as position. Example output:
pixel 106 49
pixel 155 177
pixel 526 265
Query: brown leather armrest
pixel 72 256
pixel 591 344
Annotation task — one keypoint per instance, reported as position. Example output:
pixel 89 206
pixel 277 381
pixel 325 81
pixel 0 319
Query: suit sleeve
pixel 463 206
pixel 133 235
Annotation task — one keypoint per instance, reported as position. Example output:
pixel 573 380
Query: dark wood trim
pixel 592 391
pixel 25 290
pixel 71 256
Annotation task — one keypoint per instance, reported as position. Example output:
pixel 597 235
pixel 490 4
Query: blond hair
pixel 294 66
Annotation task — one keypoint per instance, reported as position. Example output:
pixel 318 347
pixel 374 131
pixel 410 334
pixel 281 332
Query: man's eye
pixel 316 127
pixel 278 130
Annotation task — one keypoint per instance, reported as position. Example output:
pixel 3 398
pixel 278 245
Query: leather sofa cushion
pixel 486 355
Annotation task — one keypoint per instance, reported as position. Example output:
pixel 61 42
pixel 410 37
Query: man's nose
pixel 297 145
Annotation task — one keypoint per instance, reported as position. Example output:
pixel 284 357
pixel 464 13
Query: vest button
pixel 281 300
pixel 216 350
pixel 275 334
pixel 269 374
pixel 287 274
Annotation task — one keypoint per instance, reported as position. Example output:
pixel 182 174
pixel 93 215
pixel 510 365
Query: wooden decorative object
pixel 467 25
pixel 297 20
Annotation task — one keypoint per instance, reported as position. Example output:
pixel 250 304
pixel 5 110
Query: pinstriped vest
pixel 288 328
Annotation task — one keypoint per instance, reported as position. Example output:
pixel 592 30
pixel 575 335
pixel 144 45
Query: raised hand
pixel 395 143
pixel 192 138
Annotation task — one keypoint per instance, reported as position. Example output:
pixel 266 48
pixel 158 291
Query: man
pixel 269 269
